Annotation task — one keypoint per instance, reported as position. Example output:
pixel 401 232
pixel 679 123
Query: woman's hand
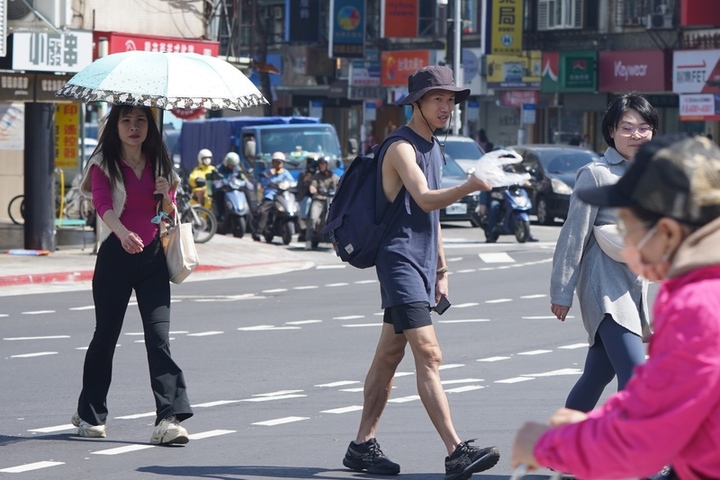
pixel 162 186
pixel 566 416
pixel 131 242
pixel 560 311
pixel 524 444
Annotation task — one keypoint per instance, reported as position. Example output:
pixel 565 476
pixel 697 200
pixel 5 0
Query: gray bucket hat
pixel 432 77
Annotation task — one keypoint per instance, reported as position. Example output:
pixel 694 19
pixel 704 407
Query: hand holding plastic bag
pixel 490 169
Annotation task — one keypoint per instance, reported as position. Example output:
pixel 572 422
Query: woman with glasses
pixel 613 300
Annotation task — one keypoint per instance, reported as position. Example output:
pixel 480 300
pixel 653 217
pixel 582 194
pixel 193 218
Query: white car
pixel 464 150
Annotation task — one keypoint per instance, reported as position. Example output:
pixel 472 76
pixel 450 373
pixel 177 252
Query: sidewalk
pixel 74 260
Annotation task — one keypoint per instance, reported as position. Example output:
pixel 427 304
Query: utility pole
pixel 453 53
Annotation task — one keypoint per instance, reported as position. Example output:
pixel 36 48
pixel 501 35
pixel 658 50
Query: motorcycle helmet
pixel 232 160
pixel 311 163
pixel 205 157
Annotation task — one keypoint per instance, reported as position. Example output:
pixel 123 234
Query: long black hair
pixel 110 146
pixel 618 107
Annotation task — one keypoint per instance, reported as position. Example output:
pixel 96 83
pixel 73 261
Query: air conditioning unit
pixel 659 20
pixel 23 19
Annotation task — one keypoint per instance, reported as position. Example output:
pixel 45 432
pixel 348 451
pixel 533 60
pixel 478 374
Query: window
pixel 560 14
pixel 644 12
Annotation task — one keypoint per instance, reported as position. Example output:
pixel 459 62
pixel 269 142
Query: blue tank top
pixel 408 256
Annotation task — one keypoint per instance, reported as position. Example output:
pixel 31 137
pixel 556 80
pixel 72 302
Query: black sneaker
pixel 467 460
pixel 368 457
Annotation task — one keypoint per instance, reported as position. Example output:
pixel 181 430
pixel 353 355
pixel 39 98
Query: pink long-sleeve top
pixel 140 203
pixel 669 412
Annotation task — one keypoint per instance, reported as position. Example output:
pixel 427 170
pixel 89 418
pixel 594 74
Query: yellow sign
pixel 508 72
pixel 67 119
pixel 506 27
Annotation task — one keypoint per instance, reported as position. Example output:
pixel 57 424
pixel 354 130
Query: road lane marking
pixel 573 346
pixel 86 307
pixel 451 366
pixel 462 380
pixel 466 305
pixel 537 295
pixel 515 380
pixel 136 415
pixel 499 257
pixel 341 284
pixel 556 373
pixel 499 300
pixel 37 312
pixel 340 383
pixel 275 290
pixel 466 388
pixel 49 337
pixel 363 325
pixel 363 282
pixel 330 266
pixel 337 411
pixel 268 399
pixel 277 393
pixel 30 466
pixel 125 449
pixel 56 428
pixel 540 317
pixel 349 317
pixel 467 270
pixel 209 434
pixel 205 334
pixel 280 421
pixel 535 352
pixel 306 287
pixel 492 359
pixel 259 328
pixel 216 403
pixel 353 390
pixel 303 322
pixel 468 320
pixel 37 354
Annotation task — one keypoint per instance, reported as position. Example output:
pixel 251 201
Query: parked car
pixel 552 170
pixel 464 150
pixel 465 209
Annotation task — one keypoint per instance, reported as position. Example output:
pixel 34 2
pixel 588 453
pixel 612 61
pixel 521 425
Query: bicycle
pixel 203 221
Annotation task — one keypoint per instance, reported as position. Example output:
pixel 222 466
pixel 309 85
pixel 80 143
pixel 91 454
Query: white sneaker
pixel 169 431
pixel 308 245
pixel 87 430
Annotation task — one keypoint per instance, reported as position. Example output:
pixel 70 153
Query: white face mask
pixel 207 161
pixel 633 257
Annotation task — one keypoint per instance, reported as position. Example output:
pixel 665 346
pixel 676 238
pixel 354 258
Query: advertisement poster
pixel 12 126
pixel 347 29
pixel 67 119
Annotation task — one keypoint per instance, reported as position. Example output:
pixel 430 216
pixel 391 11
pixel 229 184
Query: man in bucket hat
pixel 413 275
pixel 668 204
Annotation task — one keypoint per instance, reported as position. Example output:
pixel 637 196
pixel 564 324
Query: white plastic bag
pixel 490 169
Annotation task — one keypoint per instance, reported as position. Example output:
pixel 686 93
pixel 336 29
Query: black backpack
pixel 354 225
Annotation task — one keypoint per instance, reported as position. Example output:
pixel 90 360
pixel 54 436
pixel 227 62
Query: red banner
pixel 634 70
pixel 125 42
pixel 396 66
pixel 400 19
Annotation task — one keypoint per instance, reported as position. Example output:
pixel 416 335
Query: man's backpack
pixel 352 223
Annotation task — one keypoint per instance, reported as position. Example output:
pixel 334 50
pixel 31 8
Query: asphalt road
pixel 275 366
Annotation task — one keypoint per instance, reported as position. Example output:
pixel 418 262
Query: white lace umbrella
pixel 165 81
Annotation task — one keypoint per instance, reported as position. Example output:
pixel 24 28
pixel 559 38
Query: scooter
pixel 317 235
pixel 284 214
pixel 513 217
pixel 237 211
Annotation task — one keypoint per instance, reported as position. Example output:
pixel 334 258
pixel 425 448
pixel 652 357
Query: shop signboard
pixel 696 71
pixel 506 72
pixel 396 66
pixel 347 29
pixel 399 19
pixel 364 73
pixel 67 119
pixel 69 51
pixel 699 107
pixel 126 42
pixel 578 71
pixel 634 70
pixel 505 27
pixel 550 82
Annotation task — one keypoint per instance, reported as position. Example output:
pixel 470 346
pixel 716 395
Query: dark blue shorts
pixel 408 315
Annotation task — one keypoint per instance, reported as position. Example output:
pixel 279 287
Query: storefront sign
pixel 16 87
pixel 696 71
pixel 347 29
pixel 396 66
pixel 634 70
pixel 578 71
pixel 550 82
pixel 67 119
pixel 514 72
pixel 126 42
pixel 699 107
pixel 505 25
pixel 518 98
pixel 363 93
pixel 364 74
pixel 399 19
pixel 69 51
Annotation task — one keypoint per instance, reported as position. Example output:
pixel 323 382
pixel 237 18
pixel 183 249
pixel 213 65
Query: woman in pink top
pixel 669 413
pixel 121 178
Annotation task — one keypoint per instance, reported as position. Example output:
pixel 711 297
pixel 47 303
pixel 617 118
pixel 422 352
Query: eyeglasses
pixel 627 130
pixel 623 230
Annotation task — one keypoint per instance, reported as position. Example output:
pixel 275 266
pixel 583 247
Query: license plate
pixel 456 209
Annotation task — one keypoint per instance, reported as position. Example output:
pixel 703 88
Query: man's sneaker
pixel 87 430
pixel 169 431
pixel 368 457
pixel 467 460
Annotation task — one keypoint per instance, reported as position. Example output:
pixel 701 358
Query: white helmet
pixel 205 157
pixel 232 160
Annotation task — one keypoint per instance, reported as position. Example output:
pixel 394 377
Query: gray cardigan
pixel 603 285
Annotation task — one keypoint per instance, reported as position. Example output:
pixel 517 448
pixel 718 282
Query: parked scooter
pixel 317 235
pixel 513 217
pixel 283 217
pixel 237 211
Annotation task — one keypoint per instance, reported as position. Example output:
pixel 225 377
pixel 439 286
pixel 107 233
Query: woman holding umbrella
pixel 120 177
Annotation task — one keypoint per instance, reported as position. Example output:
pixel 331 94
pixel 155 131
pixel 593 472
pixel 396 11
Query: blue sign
pixel 347 28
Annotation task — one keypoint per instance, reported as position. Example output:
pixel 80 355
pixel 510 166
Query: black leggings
pixel 616 351
pixel 117 274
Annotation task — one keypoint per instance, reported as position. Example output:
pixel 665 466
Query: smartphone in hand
pixel 442 305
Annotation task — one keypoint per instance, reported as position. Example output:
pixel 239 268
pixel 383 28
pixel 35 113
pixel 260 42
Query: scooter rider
pixel 198 177
pixel 302 195
pixel 268 181
pixel 321 184
pixel 230 168
pixel 490 204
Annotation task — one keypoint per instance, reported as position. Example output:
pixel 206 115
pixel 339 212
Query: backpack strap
pixel 382 206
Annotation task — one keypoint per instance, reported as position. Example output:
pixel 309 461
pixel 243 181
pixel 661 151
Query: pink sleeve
pixel 101 192
pixel 665 406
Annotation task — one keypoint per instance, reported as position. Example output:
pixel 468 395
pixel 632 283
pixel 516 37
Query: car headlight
pixel 560 187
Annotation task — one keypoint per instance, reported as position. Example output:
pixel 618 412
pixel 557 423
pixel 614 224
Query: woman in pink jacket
pixel 669 413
